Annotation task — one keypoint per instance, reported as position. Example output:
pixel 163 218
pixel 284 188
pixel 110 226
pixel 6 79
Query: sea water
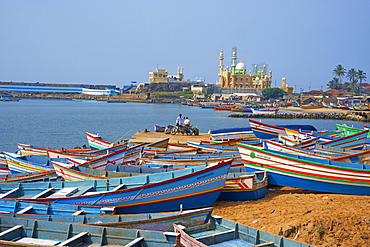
pixel 63 123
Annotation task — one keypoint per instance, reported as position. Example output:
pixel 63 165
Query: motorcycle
pixel 188 130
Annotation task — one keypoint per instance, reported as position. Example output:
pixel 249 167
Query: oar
pixel 123 136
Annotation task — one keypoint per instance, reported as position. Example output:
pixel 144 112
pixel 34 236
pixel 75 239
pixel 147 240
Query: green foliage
pixel 187 94
pixel 273 93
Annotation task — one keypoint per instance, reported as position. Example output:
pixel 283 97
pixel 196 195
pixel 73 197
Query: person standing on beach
pixel 179 120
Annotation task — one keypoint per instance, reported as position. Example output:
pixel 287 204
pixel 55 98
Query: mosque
pixel 237 79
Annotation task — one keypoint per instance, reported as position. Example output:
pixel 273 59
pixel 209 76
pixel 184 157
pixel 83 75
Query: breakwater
pixel 352 116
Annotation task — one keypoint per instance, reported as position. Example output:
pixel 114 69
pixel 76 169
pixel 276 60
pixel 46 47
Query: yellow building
pixel 285 87
pixel 162 76
pixel 237 77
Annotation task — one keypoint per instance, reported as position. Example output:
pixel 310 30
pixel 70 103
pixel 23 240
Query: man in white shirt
pixel 179 120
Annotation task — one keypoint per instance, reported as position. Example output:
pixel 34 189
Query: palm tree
pixel 333 84
pixel 353 78
pixel 339 72
pixel 361 76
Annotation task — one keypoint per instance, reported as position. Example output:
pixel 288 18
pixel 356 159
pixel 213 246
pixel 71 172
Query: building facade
pixel 162 76
pixel 237 78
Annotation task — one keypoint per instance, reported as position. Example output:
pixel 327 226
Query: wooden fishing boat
pixel 95 141
pixel 346 130
pixel 222 108
pixel 361 107
pixel 116 101
pixel 298 139
pixel 222 143
pixel 25 149
pixel 211 148
pixel 44 209
pixel 268 131
pixel 308 173
pixel 361 157
pixel 4 169
pixel 187 162
pixel 158 128
pixel 29 232
pixel 163 143
pixel 29 177
pixel 247 109
pixel 355 141
pixel 222 232
pixel 244 186
pixel 191 188
pixel 313 106
pixel 264 111
pixel 17 165
pixel 227 134
pixel 155 221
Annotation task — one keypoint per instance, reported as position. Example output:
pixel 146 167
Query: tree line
pixel 354 79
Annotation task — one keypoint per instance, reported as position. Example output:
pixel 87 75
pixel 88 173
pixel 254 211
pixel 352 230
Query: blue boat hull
pixel 243 195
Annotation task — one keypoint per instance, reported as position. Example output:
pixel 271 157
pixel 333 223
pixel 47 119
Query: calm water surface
pixel 63 123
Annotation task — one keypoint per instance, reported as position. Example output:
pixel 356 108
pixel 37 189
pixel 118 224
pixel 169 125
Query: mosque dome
pixel 240 65
pixel 240 68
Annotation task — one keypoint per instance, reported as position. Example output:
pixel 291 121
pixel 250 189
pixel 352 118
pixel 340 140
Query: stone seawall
pixel 352 116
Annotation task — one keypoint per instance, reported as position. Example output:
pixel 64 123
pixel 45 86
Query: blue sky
pixel 119 41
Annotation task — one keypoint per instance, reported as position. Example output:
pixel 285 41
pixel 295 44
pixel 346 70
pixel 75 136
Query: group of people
pixel 182 121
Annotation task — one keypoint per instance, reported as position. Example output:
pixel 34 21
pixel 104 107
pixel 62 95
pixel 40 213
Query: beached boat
pixel 95 141
pixel 179 163
pixel 29 232
pixel 211 148
pixel 244 186
pixel 361 157
pixel 29 177
pixel 158 128
pixel 227 134
pixel 222 232
pixel 297 139
pixel 155 221
pixel 44 209
pixel 191 188
pixel 222 108
pixel 264 111
pixel 308 173
pixel 346 130
pixel 355 141
pixel 311 106
pixel 222 143
pixel 268 131
pixel 25 149
pixel 18 165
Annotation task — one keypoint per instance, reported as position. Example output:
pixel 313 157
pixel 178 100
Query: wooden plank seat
pixel 25 210
pixel 44 193
pixel 64 192
pixel 134 242
pixel 9 194
pixel 119 187
pixel 11 233
pixel 75 240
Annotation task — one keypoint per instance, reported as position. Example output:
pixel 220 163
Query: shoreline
pixel 320 113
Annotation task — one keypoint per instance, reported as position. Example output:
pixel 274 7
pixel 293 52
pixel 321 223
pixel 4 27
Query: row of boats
pixel 148 194
pixel 160 194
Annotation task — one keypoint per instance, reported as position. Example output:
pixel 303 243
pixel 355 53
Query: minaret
pixel 221 66
pixel 233 61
